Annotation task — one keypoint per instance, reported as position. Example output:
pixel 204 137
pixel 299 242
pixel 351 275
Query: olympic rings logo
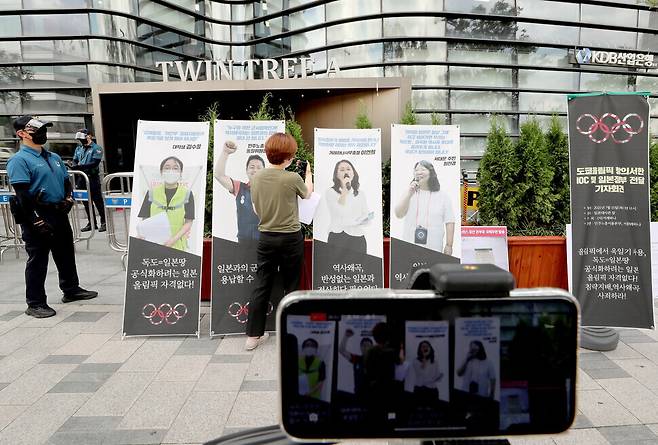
pixel 164 313
pixel 608 126
pixel 241 313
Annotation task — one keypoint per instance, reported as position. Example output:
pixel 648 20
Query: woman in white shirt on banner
pixel 427 211
pixel 348 209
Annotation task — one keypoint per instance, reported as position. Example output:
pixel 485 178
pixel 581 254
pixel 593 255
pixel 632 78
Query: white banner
pixel 163 282
pixel 425 198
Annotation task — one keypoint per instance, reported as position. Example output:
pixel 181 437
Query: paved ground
pixel 71 379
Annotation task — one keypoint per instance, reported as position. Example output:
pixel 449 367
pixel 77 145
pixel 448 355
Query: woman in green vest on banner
pixel 175 200
pixel 312 370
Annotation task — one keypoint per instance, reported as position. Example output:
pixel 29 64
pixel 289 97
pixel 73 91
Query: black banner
pixel 162 290
pixel 409 258
pixel 232 285
pixel 339 268
pixel 609 169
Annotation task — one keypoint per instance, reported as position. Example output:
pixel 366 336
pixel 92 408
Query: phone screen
pixel 427 367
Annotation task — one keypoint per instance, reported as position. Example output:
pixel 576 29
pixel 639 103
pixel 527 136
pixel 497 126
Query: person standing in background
pixel 87 158
pixel 41 206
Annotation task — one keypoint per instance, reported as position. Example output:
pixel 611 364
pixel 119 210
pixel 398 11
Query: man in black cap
pixel 87 158
pixel 43 200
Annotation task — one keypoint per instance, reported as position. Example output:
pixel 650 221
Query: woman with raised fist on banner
pixel 427 211
pixel 348 209
pixel 246 217
pixel 167 212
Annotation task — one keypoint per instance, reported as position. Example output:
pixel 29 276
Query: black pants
pixel 344 241
pixel 277 252
pixel 38 248
pixel 97 197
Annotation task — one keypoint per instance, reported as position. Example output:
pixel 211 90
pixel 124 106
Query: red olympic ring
pixel 241 313
pixel 164 313
pixel 609 129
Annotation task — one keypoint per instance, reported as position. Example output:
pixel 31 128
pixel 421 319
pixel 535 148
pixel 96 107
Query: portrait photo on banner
pixel 348 178
pixel 169 185
pixel 239 154
pixel 425 187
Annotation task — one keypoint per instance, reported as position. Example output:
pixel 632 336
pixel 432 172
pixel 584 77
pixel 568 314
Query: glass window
pixel 359 72
pixel 306 18
pixel 412 5
pixel 6 5
pixel 544 121
pixel 653 103
pixel 607 38
pixel 62 101
pixel 55 50
pixel 653 126
pixel 644 83
pixel 129 6
pixel 357 55
pixel 491 77
pixel 500 7
pixel 473 52
pixel 307 40
pixel 347 32
pixel 548 10
pixel 10 101
pixel 6 128
pixel 542 102
pixel 414 26
pixel 61 75
pixel 242 33
pixel 110 74
pixel 483 29
pixel 349 8
pixel 472 146
pixel 319 62
pixel 538 56
pixel 112 51
pixel 603 15
pixel 470 165
pixel 604 82
pixel 142 76
pixel 480 100
pixel 55 25
pixel 434 75
pixel 429 99
pixel 10 51
pixel 166 16
pixel 217 52
pixel 480 123
pixel 54 4
pixel 555 80
pixel 426 118
pixel 10 26
pixel 414 51
pixel 535 32
pixel 220 11
pixel 221 33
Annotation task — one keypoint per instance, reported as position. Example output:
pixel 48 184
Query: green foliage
pixel 210 116
pixel 535 177
pixel 436 119
pixel 362 119
pixel 264 112
pixel 653 178
pixel 408 117
pixel 499 168
pixel 557 145
pixel 386 197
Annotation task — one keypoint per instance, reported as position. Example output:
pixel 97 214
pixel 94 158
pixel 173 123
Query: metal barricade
pixel 117 195
pixel 10 237
pixel 81 196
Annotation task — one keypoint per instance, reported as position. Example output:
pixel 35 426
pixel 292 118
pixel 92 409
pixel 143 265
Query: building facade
pixel 467 59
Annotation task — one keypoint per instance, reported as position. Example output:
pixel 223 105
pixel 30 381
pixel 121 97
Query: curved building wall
pixel 467 59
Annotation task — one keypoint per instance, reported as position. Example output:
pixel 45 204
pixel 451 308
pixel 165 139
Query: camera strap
pixel 427 214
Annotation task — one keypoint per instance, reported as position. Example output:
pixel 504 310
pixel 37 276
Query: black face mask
pixel 40 137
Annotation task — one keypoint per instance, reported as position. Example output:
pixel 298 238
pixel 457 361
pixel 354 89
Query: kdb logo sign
pixel 584 56
pixel 609 126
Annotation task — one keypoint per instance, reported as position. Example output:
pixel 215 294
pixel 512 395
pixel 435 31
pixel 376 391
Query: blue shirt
pixel 86 155
pixel 43 171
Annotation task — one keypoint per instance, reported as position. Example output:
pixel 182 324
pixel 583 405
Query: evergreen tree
pixel 436 119
pixel 499 167
pixel 408 117
pixel 362 119
pixel 264 112
pixel 653 178
pixel 535 177
pixel 557 144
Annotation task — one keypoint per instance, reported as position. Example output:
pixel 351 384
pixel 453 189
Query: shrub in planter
pixel 557 144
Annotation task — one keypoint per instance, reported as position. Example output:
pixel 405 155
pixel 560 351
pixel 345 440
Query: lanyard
pixel 427 215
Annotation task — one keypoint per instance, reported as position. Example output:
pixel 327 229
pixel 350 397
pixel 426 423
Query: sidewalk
pixel 71 379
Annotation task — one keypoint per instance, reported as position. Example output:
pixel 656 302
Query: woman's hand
pixel 413 187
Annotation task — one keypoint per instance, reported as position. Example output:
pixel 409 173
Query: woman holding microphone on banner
pixel 274 193
pixel 348 209
pixel 427 211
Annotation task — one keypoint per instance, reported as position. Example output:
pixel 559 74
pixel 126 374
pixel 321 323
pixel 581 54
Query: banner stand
pixel 599 339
